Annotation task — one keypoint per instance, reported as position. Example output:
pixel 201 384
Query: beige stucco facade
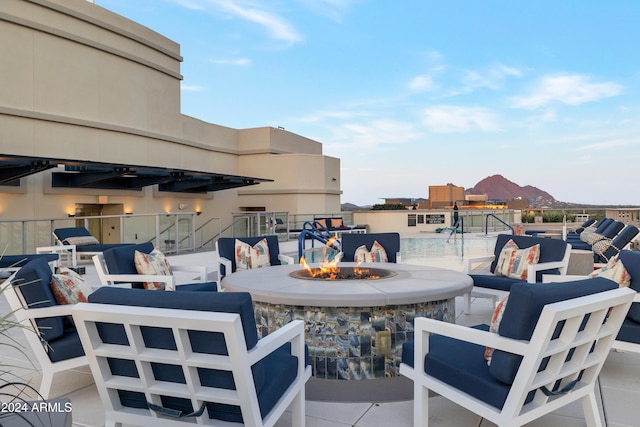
pixel 80 82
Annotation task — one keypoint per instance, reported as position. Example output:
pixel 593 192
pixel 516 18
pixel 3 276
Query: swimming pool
pixel 434 249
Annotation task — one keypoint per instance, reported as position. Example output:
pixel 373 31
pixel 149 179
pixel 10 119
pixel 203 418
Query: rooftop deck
pixel 619 386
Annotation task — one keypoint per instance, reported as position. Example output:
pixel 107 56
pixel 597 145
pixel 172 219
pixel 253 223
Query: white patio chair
pixel 528 377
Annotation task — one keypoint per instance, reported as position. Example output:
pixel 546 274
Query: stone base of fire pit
pixel 354 328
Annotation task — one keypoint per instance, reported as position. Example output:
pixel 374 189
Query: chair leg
pixel 591 412
pixel 298 410
pixel 420 405
pixel 46 383
pixel 467 303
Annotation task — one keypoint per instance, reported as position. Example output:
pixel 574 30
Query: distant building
pixel 444 196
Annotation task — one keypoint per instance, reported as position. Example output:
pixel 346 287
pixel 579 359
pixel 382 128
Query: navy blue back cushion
pixel 550 250
pixel 120 260
pixel 613 229
pixel 352 241
pixel 622 239
pixel 22 260
pixel 524 307
pixel 602 225
pixel 63 233
pixel 631 261
pixel 227 249
pixel 34 282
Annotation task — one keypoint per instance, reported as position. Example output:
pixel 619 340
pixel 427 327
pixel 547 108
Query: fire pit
pixel 354 328
pixel 342 273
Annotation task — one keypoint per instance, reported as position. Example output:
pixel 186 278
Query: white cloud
pixel 333 9
pixel 422 83
pixel 373 134
pixel 190 4
pixel 450 119
pixel 192 88
pixel 232 61
pixel 607 145
pixel 570 89
pixel 277 26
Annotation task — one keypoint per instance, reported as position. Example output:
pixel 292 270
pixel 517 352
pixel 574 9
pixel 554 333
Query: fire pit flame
pixel 331 271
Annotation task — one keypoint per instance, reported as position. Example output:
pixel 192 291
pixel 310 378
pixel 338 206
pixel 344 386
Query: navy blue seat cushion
pixel 602 225
pixel 34 282
pixel 227 249
pixel 629 332
pixel 490 281
pixel 7 261
pixel 462 365
pixel 272 376
pixel 550 250
pixel 631 261
pixel 525 305
pixel 198 287
pixel 352 241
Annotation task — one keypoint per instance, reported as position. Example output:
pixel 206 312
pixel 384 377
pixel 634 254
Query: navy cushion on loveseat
pixel 227 249
pixel 272 376
pixel 34 284
pixel 524 307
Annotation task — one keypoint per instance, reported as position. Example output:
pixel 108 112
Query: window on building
pixel 411 220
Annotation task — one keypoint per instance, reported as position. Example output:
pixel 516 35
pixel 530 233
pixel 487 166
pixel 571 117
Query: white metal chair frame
pixel 617 344
pixel 238 361
pixel 107 279
pixel 27 317
pixel 612 305
pixel 494 294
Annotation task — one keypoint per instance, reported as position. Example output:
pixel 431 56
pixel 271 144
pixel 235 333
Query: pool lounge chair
pixel 86 245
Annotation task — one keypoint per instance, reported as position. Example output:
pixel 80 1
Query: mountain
pixel 497 187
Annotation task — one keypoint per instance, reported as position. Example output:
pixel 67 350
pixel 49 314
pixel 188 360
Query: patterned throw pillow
pixel 616 271
pixel 155 264
pixel 81 240
pixel 591 238
pixel 513 261
pixel 495 325
pixel 601 247
pixel 256 256
pixel 377 253
pixel 69 287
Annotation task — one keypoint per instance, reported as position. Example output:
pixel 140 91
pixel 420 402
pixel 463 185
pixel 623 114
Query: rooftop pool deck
pixel 619 382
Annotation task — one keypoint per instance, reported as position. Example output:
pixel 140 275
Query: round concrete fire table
pixel 354 328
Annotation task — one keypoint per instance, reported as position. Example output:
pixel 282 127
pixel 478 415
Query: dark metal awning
pixel 83 174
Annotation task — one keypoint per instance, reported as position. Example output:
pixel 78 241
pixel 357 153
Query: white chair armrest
pixel 554 278
pixel 200 269
pixel 285 259
pixel 44 312
pixel 534 268
pixel 275 340
pixel 477 260
pixel 227 266
pixel 133 278
pixel 476 336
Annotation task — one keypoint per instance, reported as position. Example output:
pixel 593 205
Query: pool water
pixel 436 251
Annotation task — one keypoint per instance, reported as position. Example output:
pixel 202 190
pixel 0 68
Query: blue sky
pixel 413 93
